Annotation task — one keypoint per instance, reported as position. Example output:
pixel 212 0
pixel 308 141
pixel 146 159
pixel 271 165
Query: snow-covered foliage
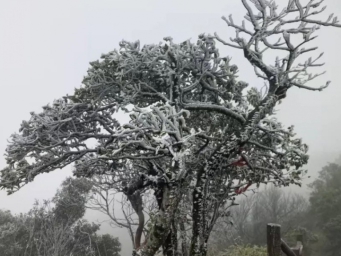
pixel 198 136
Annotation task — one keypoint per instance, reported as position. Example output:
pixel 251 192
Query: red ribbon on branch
pixel 240 190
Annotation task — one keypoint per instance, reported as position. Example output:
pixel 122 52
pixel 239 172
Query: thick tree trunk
pixel 162 222
pixel 198 213
pixel 157 235
pixel 170 245
pixel 183 237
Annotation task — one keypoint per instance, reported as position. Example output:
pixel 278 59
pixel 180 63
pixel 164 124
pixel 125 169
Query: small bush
pixel 242 250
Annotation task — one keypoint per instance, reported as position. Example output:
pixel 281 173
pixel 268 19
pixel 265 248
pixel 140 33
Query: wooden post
pixel 274 239
pixel 298 250
pixel 287 250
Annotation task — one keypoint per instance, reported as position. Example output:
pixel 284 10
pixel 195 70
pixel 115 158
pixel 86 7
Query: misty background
pixel 45 48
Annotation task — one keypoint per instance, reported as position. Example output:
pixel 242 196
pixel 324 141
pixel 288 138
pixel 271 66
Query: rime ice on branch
pixel 197 136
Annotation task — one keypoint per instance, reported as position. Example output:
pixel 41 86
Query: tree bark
pixel 135 200
pixel 184 246
pixel 162 222
pixel 198 223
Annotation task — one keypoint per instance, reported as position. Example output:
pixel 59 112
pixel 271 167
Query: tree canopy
pixel 198 135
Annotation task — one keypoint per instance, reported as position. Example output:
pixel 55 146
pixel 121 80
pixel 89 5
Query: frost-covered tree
pixel 197 136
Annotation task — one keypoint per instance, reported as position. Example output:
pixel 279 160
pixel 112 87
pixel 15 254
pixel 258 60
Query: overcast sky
pixel 45 48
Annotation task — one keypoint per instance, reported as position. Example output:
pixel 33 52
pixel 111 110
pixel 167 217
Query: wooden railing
pixel 276 244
